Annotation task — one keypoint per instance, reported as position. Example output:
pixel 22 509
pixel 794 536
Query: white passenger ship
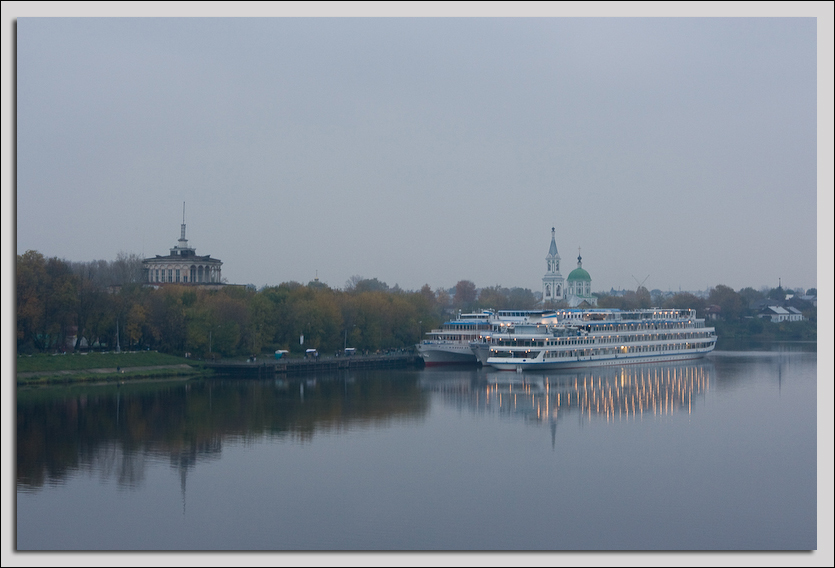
pixel 450 344
pixel 571 339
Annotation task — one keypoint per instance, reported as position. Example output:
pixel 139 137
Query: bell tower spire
pixel 553 283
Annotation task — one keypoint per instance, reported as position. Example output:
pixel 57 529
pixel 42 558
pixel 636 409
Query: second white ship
pixel 591 338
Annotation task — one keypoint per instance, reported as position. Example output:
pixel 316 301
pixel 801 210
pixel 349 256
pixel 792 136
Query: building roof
pixel 178 258
pixel 553 250
pixel 579 273
pixel 776 310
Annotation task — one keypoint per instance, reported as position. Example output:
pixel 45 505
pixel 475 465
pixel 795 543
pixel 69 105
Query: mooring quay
pixel 268 368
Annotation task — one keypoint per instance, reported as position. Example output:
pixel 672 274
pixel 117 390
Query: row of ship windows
pixel 621 339
pixel 642 327
pixel 597 328
pixel 606 351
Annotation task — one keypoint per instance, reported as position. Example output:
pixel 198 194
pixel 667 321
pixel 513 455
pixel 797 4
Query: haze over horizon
pixel 679 151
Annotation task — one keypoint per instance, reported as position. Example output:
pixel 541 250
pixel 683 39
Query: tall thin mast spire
pixel 183 226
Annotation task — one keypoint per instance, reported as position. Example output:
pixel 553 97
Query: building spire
pixel 183 226
pixel 552 252
pixel 579 258
pixel 553 283
pixel 182 248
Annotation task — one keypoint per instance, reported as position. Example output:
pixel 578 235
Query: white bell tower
pixel 553 284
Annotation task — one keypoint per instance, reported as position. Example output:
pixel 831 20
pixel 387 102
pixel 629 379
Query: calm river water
pixel 717 454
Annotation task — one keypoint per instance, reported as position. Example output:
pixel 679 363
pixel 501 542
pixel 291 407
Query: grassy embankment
pixel 77 367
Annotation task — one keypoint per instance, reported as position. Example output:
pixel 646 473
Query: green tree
pixel 358 285
pixel 166 319
pixel 261 327
pixel 443 300
pixel 374 315
pixel 639 299
pixel 314 314
pixel 610 301
pixel 465 295
pixel 126 269
pixel 749 296
pixel 46 301
pixel 123 298
pixel 521 299
pixel 428 296
pixel 685 300
pixel 231 317
pixel 93 307
pixel 424 313
pixel 493 297
pixel 200 326
pixel 729 302
pixel 777 294
pixel 134 324
pixel 755 326
pixel 30 287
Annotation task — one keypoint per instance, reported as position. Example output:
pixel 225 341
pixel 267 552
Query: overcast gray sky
pixel 691 151
pixel 677 151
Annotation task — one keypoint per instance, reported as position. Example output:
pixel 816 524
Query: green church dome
pixel 579 274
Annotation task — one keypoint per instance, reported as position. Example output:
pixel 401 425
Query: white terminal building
pixel 182 265
pixel 574 290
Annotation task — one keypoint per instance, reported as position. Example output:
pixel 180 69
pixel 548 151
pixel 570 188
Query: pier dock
pixel 268 368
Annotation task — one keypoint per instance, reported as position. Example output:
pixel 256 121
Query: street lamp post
pixel 345 343
pixel 210 340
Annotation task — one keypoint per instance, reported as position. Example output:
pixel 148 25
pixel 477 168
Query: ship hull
pixel 450 355
pixel 535 364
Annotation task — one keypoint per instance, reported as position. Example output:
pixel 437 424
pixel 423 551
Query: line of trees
pixel 724 301
pixel 734 314
pixel 65 305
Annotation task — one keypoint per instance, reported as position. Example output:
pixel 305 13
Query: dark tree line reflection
pixel 113 431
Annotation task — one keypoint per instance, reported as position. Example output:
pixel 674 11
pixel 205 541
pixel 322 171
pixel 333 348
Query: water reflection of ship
pixel 614 394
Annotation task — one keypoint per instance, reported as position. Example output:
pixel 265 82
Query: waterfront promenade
pixel 267 368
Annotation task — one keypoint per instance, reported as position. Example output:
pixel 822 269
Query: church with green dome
pixel 574 290
pixel 578 286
